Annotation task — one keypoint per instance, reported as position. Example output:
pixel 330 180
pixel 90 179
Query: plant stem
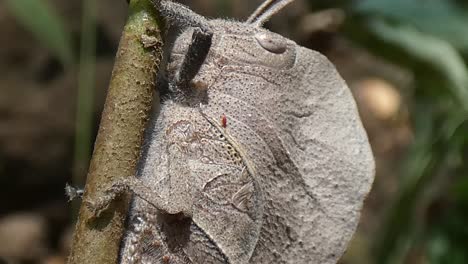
pixel 118 143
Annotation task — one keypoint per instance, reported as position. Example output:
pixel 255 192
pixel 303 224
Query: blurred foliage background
pixel 404 60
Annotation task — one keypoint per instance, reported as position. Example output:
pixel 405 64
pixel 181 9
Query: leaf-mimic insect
pixel 282 182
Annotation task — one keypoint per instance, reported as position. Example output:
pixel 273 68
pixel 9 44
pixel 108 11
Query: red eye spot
pixel 223 121
pixel 166 259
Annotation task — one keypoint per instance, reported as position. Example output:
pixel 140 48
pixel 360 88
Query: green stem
pixel 118 143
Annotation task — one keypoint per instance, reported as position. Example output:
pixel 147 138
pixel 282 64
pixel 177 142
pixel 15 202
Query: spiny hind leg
pixel 147 243
pixel 144 243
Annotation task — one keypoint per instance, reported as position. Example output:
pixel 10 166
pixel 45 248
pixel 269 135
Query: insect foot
pixel 72 192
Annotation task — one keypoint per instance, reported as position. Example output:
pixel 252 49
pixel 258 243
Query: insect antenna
pixel 266 10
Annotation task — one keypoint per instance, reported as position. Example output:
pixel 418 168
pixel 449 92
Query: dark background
pixel 404 60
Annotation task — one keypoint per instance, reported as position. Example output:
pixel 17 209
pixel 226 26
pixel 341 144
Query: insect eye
pixel 271 42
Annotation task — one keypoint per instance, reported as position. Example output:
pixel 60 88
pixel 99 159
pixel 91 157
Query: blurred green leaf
pixel 438 246
pixel 86 88
pixel 399 228
pixel 448 237
pixel 440 18
pixel 38 17
pixel 435 145
pixel 428 37
pixel 437 52
pixel 461 190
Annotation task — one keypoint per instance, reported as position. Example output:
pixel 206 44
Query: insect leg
pixel 182 17
pixel 195 56
pixel 123 186
pixel 179 15
pixel 143 240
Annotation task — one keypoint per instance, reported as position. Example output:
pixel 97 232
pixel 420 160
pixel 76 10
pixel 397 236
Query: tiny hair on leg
pixel 180 16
